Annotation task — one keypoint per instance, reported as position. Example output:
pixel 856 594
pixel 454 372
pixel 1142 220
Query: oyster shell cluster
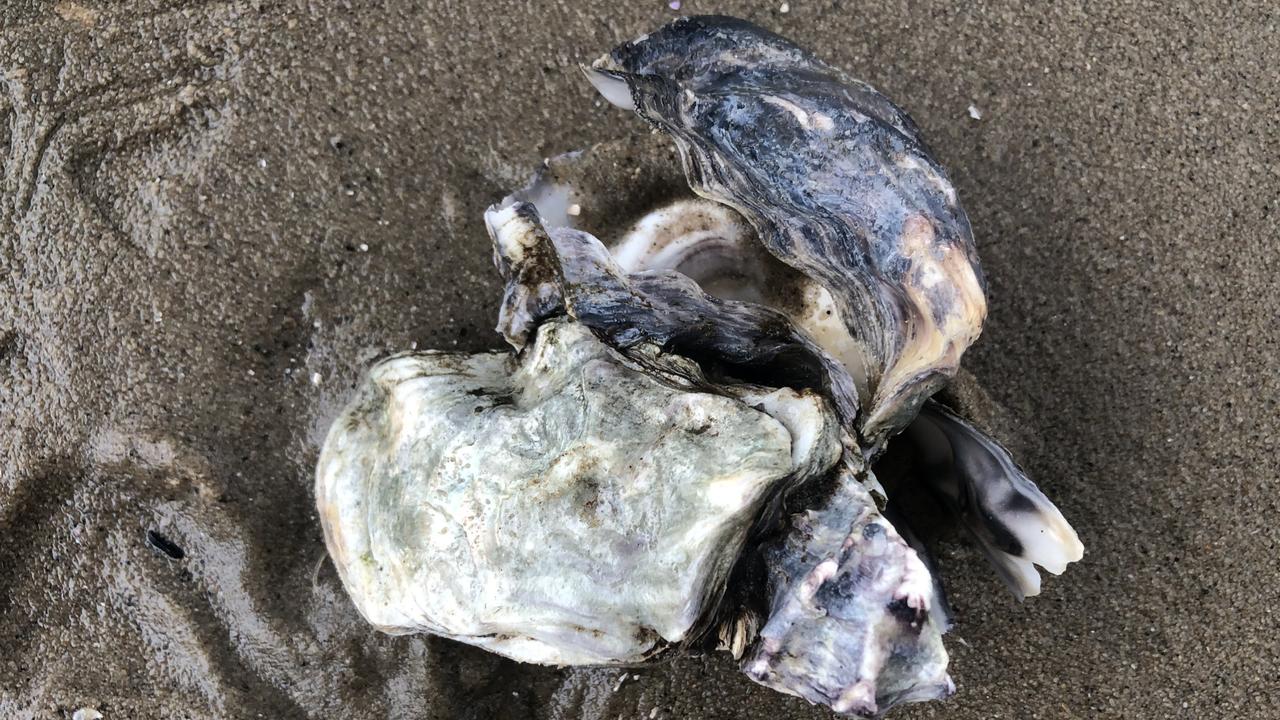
pixel 680 450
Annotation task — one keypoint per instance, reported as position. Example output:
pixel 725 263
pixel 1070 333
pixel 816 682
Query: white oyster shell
pixel 562 506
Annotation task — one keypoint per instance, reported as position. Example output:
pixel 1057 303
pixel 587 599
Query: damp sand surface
pixel 214 215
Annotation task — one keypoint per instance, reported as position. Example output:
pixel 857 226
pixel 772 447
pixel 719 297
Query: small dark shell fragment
pixel 165 545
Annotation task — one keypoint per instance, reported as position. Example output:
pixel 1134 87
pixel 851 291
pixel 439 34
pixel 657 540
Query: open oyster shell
pixel 674 230
pixel 837 183
pixel 708 372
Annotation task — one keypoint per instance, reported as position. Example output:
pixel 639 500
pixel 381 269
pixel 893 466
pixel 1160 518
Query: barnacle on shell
pixel 683 448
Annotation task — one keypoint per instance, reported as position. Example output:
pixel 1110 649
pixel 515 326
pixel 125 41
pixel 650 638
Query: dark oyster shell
pixel 837 183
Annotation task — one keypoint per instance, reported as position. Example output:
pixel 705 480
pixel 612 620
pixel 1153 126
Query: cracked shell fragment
pixel 851 624
pixel 562 507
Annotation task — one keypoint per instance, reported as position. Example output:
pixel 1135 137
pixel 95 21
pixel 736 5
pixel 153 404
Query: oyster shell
pixel 975 477
pixel 837 183
pixel 559 269
pixel 849 622
pixel 684 446
pixel 561 507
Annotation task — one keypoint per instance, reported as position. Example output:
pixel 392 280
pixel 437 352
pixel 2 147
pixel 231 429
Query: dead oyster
pixel 684 447
pixel 837 183
pixel 563 506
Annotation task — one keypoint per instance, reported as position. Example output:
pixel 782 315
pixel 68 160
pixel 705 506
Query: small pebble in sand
pixel 316 378
pixel 621 680
pixel 974 112
pixel 653 713
pixel 86 714
pixel 674 4
pixel 252 373
pixel 574 210
pixel 364 247
pixel 784 8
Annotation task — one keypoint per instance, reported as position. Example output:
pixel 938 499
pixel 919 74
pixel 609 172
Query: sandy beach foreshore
pixel 214 215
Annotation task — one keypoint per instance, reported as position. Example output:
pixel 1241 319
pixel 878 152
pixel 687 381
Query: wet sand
pixel 212 218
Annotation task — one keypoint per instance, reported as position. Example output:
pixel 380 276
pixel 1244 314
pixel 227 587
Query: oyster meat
pixel 708 371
